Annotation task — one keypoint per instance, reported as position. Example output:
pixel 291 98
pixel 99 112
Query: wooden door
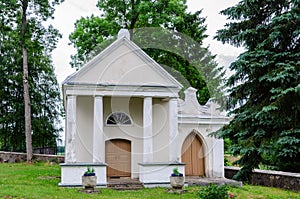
pixel 192 154
pixel 118 158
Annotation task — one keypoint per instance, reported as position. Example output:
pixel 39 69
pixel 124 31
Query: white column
pixel 147 134
pixel 70 129
pixel 174 149
pixel 98 139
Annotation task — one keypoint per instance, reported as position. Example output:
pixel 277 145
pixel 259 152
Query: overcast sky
pixel 69 11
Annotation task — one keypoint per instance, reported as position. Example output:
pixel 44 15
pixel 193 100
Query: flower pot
pixel 177 182
pixel 89 182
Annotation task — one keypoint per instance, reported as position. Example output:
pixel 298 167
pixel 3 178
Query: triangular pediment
pixel 123 63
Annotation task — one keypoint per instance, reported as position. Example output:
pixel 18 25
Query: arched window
pixel 118 118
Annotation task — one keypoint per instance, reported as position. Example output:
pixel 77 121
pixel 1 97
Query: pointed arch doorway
pixel 118 158
pixel 193 155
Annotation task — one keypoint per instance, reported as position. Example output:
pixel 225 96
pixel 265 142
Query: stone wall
pixel 21 157
pixel 284 180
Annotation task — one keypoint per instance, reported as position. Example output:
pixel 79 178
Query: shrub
pixel 176 172
pixel 89 172
pixel 214 191
pixel 227 162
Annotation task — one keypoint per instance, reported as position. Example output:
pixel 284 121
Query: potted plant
pixel 89 178
pixel 176 179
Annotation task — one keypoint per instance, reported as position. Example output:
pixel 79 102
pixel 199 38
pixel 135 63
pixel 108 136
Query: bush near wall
pixel 279 179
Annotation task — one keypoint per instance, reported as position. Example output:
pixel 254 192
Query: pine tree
pixel 264 94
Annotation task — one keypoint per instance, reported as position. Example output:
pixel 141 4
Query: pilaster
pixel 174 149
pixel 98 136
pixel 70 130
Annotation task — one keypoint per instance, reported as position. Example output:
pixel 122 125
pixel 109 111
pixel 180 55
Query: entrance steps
pixel 124 184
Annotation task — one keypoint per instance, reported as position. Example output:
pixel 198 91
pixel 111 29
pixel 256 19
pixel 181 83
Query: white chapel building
pixel 124 118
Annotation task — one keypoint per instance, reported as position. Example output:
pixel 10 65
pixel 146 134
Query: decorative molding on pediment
pixel 191 106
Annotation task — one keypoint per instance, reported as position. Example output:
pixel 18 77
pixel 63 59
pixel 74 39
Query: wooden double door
pixel 118 158
pixel 192 154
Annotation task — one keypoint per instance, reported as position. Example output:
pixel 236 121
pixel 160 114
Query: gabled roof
pixel 122 63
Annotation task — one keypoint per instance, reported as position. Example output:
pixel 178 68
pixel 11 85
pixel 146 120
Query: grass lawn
pixel 40 180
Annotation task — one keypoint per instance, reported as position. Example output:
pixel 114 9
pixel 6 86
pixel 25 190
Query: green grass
pixel 41 180
pixel 249 191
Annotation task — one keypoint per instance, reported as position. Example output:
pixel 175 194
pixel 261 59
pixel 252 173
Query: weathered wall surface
pixel 21 157
pixel 284 180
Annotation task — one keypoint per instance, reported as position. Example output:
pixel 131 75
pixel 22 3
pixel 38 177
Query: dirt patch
pixel 48 177
pixel 90 191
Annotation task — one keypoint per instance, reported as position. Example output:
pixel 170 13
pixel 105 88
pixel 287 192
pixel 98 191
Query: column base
pixel 158 173
pixel 71 173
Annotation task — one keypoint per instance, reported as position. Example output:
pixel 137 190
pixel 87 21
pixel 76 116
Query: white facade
pixel 124 117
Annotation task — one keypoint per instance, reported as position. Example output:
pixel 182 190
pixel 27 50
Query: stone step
pixel 123 188
pixel 125 184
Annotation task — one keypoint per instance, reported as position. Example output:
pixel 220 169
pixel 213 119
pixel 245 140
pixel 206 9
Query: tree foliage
pixel 43 87
pixel 264 94
pixel 173 38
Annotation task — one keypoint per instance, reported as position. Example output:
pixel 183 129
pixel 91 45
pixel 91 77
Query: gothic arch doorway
pixel 193 155
pixel 118 158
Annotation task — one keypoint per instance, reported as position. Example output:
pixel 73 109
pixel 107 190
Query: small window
pixel 118 118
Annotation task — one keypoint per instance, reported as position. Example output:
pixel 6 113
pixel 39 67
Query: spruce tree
pixel 264 93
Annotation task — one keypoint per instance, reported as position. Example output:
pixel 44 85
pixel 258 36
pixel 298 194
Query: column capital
pixel 71 96
pixel 173 99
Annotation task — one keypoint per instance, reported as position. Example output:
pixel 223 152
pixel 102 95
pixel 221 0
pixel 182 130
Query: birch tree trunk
pixel 27 104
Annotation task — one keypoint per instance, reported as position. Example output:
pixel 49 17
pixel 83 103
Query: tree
pixel 264 90
pixel 173 31
pixel 22 33
pixel 26 83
